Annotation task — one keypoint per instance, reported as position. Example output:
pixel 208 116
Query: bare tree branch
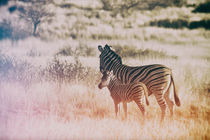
pixel 36 13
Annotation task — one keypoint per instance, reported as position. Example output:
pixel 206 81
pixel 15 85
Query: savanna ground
pixel 48 83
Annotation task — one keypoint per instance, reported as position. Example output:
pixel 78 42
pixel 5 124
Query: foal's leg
pixel 116 109
pixel 125 109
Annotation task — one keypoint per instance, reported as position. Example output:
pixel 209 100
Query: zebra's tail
pixel 176 98
pixel 146 94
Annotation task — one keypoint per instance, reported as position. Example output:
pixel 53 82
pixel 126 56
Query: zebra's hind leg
pixel 170 103
pixel 162 103
pixel 140 104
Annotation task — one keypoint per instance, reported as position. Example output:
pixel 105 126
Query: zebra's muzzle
pixel 100 86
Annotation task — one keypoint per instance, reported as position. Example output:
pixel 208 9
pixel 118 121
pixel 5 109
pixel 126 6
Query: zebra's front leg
pixel 125 109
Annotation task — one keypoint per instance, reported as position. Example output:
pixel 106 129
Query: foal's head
pixel 104 80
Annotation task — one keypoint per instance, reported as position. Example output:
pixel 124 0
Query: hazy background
pixel 49 67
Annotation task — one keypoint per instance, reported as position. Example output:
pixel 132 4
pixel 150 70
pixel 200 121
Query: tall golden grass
pixel 81 111
pixel 48 88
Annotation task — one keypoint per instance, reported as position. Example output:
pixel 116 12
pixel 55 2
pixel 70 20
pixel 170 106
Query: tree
pixel 35 13
pixel 3 2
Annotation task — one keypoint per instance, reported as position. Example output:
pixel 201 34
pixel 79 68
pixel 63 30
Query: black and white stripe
pixel 125 92
pixel 157 78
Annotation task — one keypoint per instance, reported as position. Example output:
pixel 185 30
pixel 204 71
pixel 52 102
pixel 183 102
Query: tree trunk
pixel 35 28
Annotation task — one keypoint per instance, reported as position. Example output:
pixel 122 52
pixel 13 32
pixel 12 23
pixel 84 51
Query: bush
pixel 12 69
pixel 66 71
pixel 176 24
pixel 12 9
pixel 6 64
pixel 200 24
pixel 9 31
pixel 3 2
pixel 6 29
pixel 81 50
pixel 127 51
pixel 179 24
pixel 122 6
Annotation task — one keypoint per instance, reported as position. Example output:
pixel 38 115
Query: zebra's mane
pixel 108 49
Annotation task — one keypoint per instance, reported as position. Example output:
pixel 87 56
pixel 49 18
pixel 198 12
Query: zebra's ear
pixel 100 48
pixel 107 47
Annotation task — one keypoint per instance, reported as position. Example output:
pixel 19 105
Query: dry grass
pixel 77 111
pixel 48 88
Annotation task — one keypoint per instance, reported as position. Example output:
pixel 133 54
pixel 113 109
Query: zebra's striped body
pixel 125 92
pixel 157 78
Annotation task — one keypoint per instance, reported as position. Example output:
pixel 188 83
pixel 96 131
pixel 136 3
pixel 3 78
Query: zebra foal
pixel 124 92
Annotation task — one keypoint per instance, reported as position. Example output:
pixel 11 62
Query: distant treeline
pixel 203 8
pixel 180 23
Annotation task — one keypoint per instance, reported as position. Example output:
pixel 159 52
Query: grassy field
pixel 49 83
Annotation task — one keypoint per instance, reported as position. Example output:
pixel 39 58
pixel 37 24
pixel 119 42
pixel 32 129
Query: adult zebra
pixel 124 92
pixel 158 78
